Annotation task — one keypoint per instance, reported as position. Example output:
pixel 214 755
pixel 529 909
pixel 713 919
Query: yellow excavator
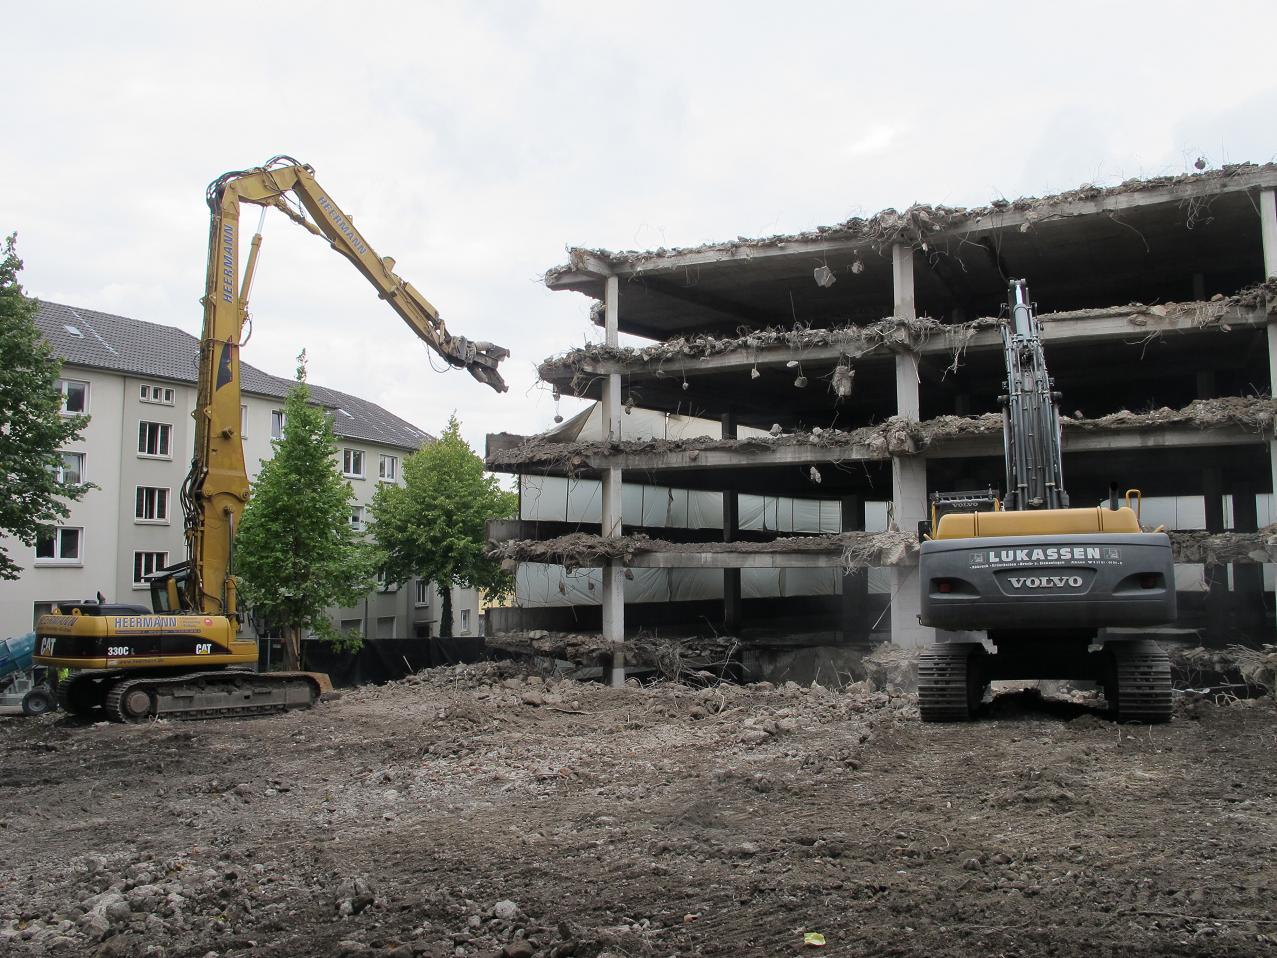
pixel 184 657
pixel 1043 581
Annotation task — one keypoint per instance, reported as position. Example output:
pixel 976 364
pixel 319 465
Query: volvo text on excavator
pixel 1040 579
pixel 184 657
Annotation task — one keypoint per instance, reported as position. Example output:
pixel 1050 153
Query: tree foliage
pixel 296 552
pixel 32 427
pixel 433 525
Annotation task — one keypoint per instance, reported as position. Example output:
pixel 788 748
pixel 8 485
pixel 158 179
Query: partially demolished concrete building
pixel 865 361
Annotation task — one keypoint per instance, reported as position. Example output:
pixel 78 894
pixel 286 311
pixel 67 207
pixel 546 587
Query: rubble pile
pixel 678 658
pixel 896 436
pixel 1234 666
pixel 1254 413
pixel 858 549
pixel 140 902
pixel 1218 548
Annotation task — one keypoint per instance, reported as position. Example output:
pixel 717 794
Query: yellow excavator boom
pixel 184 657
pixel 217 488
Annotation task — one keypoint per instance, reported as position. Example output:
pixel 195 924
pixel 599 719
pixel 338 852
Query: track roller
pixel 1139 685
pixel 130 702
pixel 950 681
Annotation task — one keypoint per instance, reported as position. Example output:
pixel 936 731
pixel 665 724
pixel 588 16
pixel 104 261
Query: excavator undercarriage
pixel 138 695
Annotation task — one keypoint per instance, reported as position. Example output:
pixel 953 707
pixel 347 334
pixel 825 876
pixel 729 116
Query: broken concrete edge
pixel 915 225
pixel 855 340
pixel 897 436
pixel 856 550
pixel 775 344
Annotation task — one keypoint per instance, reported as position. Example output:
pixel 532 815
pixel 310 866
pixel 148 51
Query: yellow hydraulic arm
pixel 217 486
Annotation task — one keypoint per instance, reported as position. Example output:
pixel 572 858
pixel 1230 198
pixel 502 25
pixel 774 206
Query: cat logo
pixel 46 645
pixel 203 648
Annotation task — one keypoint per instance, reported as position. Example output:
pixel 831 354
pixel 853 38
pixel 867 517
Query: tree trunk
pixel 445 611
pixel 292 648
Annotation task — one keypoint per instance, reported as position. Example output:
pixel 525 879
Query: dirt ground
pixel 480 811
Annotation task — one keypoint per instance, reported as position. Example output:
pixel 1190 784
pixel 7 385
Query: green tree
pixel 296 553
pixel 433 525
pixel 32 427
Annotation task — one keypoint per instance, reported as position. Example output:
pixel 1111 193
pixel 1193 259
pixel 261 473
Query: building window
pixel 352 463
pixel 75 396
pixel 147 563
pixel 153 439
pixel 423 592
pixel 71 472
pixel 63 545
pixel 277 421
pixel 353 626
pixel 243 420
pixel 155 393
pixel 357 518
pixel 388 471
pixel 385 626
pixel 465 621
pixel 151 504
pixel 384 585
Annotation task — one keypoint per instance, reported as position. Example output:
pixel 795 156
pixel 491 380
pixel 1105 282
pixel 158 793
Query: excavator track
pixel 950 683
pixel 82 694
pixel 204 695
pixel 1141 682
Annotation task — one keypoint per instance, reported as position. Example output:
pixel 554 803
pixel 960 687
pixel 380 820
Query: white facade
pixel 136 451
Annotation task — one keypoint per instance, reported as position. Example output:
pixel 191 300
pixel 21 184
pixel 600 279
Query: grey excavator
pixel 1022 586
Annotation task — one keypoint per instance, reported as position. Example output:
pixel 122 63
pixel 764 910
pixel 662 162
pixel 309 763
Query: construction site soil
pixel 482 810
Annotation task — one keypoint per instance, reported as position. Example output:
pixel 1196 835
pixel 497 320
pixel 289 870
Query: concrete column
pixel 1248 578
pixel 731 528
pixel 614 571
pixel 1268 230
pixel 1268 236
pixel 1217 599
pixel 908 474
pixel 854 619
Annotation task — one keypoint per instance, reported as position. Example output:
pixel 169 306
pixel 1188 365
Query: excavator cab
pixel 168 586
pixel 947 503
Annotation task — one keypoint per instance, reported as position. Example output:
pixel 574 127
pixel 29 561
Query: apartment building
pixel 137 382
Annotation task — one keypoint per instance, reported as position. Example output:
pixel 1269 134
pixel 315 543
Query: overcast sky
pixel 473 142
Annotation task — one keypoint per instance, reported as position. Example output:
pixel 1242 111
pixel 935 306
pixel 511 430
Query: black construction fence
pixel 379 660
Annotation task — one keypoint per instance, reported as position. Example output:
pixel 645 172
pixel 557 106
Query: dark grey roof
pixel 121 344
